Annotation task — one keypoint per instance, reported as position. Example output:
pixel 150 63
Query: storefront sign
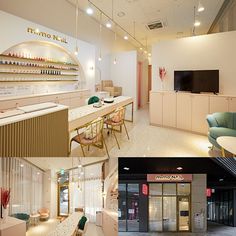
pixel 46 35
pixel 169 178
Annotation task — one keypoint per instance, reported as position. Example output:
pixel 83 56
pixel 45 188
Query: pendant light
pixel 115 61
pixel 76 27
pixel 201 8
pixel 89 9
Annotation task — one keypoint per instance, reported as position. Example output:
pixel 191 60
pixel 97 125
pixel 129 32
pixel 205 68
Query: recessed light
pixel 145 52
pixel 179 168
pixel 89 11
pixel 38 173
pixel 126 37
pixel 121 14
pixel 197 23
pixel 221 180
pixel 149 54
pixel 126 168
pixel 141 48
pixel 108 24
pixel 21 165
pixel 79 166
pixel 82 173
pixel 37 30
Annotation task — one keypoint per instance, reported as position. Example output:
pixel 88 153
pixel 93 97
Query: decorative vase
pixel 3 219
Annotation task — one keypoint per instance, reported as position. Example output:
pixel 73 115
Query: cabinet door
pixel 184 111
pixel 219 104
pixel 156 108
pixel 169 109
pixel 200 109
pixel 232 104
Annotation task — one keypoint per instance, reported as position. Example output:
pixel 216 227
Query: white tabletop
pixel 228 143
pixel 82 115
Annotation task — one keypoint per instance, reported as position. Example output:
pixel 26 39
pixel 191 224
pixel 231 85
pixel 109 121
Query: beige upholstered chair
pixel 44 214
pixel 117 119
pixel 91 135
pixel 107 85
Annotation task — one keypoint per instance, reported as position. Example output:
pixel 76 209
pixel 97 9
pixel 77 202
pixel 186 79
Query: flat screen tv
pixel 197 81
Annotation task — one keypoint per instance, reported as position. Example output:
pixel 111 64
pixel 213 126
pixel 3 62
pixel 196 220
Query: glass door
pixel 169 214
pixel 122 208
pixel 64 200
pixel 184 213
pixel 133 207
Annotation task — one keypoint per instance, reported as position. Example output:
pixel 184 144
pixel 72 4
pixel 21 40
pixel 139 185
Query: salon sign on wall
pixel 169 178
pixel 46 35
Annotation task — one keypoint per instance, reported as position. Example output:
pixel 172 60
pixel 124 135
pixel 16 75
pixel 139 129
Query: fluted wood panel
pixel 43 136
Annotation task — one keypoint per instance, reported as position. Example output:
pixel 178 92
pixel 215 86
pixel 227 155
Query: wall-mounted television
pixel 197 81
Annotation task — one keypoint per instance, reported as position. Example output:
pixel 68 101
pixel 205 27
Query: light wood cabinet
pixel 232 104
pixel 156 108
pixel 200 110
pixel 169 109
pixel 219 104
pixel 187 111
pixel 184 111
pixel 109 225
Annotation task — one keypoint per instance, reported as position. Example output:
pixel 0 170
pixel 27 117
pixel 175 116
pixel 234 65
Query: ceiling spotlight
pixel 145 52
pixel 38 173
pixel 179 168
pixel 21 165
pixel 221 180
pixel 126 168
pixel 201 8
pixel 121 14
pixel 126 37
pixel 89 11
pixel 37 30
pixel 141 49
pixel 149 54
pixel 197 23
pixel 79 166
pixel 108 24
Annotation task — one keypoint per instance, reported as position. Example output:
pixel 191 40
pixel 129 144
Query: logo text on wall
pixel 46 35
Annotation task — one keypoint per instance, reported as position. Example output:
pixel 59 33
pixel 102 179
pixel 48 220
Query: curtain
pixel 87 192
pixel 25 182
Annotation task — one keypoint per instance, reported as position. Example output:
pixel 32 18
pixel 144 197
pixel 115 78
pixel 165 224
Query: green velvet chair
pixel 221 124
pixel 23 216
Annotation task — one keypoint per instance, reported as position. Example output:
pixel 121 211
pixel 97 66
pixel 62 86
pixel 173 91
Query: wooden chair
pixel 116 119
pixel 91 135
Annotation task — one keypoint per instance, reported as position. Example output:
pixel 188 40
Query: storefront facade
pixel 162 203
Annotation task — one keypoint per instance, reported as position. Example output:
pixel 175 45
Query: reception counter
pixel 109 222
pixel 40 131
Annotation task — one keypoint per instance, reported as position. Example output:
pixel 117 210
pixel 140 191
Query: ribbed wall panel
pixel 43 136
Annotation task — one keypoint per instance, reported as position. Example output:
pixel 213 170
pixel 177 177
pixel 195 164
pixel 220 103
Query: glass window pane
pixel 169 213
pixel 122 207
pixel 184 214
pixel 133 207
pixel 169 189
pixel 183 189
pixel 155 213
pixel 155 189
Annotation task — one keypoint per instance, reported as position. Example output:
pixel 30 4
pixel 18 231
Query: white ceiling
pixel 176 14
pixel 65 163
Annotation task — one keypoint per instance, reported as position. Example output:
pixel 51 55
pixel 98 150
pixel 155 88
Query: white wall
pixel 215 51
pixel 124 73
pixel 14 31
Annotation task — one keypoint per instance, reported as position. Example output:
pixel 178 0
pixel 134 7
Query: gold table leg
pixel 132 112
pixel 223 152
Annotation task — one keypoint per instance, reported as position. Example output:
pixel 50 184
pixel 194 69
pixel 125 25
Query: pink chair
pixel 44 214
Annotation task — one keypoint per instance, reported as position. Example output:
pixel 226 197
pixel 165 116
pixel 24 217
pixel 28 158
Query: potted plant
pixel 5 198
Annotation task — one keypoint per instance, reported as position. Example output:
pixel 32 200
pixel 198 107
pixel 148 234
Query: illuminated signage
pixel 169 178
pixel 208 192
pixel 46 35
pixel 145 189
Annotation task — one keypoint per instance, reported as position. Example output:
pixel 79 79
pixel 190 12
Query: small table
pixel 34 219
pixel 227 143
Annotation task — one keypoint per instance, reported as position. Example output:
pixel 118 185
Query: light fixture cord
pixel 76 22
pixel 100 34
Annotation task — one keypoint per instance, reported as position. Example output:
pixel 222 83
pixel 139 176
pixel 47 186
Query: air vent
pixel 155 25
